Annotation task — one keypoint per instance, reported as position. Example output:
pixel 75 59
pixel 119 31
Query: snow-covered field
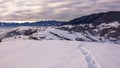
pixel 58 54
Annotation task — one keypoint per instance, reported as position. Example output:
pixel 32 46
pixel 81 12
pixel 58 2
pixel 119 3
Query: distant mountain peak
pixel 113 12
pixel 37 23
pixel 96 19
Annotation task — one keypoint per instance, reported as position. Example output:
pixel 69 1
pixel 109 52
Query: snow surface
pixel 112 24
pixel 58 54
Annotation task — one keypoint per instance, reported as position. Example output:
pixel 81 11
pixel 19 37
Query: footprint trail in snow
pixel 90 59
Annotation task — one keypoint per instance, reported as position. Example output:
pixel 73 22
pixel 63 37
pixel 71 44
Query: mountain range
pixel 38 23
pixel 101 27
pixel 95 19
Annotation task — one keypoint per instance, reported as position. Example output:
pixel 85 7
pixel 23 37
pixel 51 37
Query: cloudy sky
pixel 34 10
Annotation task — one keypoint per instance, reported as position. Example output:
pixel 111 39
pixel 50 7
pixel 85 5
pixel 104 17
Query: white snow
pixel 108 55
pixel 58 54
pixel 112 24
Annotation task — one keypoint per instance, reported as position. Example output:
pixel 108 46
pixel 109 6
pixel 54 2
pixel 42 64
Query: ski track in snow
pixel 90 59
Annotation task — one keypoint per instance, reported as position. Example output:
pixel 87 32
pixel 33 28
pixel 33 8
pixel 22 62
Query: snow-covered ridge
pixel 83 32
pixel 104 32
pixel 46 33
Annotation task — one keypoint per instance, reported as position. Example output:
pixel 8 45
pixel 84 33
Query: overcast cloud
pixel 34 10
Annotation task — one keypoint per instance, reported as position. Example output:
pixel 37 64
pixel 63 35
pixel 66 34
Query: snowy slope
pixel 108 55
pixel 58 54
pixel 110 32
pixel 104 32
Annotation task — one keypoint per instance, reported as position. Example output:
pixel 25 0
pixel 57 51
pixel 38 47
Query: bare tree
pixel 0 40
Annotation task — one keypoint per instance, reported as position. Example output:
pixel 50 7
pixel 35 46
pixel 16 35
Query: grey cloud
pixel 54 9
pixel 23 11
pixel 4 1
